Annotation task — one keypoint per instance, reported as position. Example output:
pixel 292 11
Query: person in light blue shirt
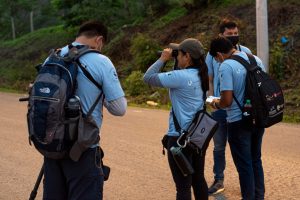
pixel 245 140
pixel 186 89
pixel 83 179
pixel 229 30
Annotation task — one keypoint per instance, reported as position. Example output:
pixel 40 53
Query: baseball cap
pixel 191 46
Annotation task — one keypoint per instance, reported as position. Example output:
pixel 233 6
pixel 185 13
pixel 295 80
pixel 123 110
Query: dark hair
pixel 203 71
pixel 227 24
pixel 92 29
pixel 220 44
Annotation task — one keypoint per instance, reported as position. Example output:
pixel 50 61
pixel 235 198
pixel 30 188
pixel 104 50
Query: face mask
pixel 233 39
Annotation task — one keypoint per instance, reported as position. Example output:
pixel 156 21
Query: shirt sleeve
pixel 116 107
pixel 245 49
pixel 151 75
pixel 110 82
pixel 209 63
pixel 225 77
pixel 171 79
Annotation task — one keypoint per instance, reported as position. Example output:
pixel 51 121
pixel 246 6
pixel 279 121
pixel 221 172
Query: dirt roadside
pixel 133 151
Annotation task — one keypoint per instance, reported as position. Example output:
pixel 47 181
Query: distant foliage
pixel 277 60
pixel 144 51
pixel 134 85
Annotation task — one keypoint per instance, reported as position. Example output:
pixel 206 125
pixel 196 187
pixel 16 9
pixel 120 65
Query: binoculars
pixel 174 53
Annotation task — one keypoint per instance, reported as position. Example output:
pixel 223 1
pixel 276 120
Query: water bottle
pixel 72 114
pixel 247 108
pixel 182 162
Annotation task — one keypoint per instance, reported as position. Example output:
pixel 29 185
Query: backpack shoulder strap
pixel 248 66
pixel 252 59
pixel 75 52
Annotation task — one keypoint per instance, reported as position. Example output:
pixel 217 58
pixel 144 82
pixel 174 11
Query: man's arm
pixel 225 100
pixel 116 107
pixel 211 86
pixel 209 63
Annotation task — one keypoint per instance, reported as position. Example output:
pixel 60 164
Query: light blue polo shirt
pixel 232 76
pixel 213 68
pixel 104 72
pixel 185 93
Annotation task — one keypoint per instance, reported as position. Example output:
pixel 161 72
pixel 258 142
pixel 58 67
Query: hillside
pixel 133 47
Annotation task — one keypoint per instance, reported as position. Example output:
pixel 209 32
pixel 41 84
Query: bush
pixel 134 84
pixel 144 51
pixel 277 61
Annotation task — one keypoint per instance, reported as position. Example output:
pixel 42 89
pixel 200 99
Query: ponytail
pixel 203 73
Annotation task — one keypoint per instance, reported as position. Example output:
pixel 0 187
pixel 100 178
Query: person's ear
pixel 189 58
pixel 219 57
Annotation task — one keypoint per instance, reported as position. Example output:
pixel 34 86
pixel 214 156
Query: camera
pixel 174 53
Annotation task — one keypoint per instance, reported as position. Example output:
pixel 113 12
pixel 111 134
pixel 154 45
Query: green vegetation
pixel 171 16
pixel 144 50
pixel 138 29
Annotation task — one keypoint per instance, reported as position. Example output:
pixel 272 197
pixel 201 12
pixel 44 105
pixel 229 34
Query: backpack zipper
pixel 45 99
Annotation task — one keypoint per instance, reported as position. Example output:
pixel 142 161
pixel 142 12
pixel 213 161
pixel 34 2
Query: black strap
pixel 74 56
pixel 238 103
pixel 88 75
pixel 95 104
pixel 177 126
pixel 248 66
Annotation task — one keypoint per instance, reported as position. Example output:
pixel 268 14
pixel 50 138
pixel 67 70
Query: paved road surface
pixel 133 151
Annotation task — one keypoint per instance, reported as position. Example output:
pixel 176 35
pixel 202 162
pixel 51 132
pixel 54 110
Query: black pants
pixel 196 180
pixel 69 180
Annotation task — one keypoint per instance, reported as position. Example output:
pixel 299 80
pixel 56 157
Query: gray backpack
pixel 56 125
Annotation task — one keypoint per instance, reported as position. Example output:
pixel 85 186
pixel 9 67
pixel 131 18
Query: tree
pixel 16 11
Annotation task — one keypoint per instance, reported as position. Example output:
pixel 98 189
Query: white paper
pixel 211 98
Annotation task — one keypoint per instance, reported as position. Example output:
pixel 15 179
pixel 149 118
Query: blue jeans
pixel 245 145
pixel 196 180
pixel 220 140
pixel 68 180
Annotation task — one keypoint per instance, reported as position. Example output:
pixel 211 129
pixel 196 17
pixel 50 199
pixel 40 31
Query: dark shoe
pixel 216 187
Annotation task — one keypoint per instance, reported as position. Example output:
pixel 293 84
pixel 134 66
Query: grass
pixel 9 90
pixel 172 15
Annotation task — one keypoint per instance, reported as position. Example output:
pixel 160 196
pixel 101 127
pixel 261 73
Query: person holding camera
pixel 229 30
pixel 186 87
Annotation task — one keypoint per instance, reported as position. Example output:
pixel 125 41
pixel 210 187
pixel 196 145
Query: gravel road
pixel 133 151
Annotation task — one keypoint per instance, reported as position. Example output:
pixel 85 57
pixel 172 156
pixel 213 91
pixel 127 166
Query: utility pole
pixel 13 29
pixel 31 22
pixel 262 35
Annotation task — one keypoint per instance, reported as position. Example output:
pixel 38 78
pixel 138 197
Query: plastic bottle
pixel 247 108
pixel 72 114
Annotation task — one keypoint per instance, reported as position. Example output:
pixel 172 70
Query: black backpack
pixel 50 100
pixel 264 93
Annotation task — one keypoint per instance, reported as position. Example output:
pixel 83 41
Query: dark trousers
pixel 196 180
pixel 68 180
pixel 220 140
pixel 245 144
